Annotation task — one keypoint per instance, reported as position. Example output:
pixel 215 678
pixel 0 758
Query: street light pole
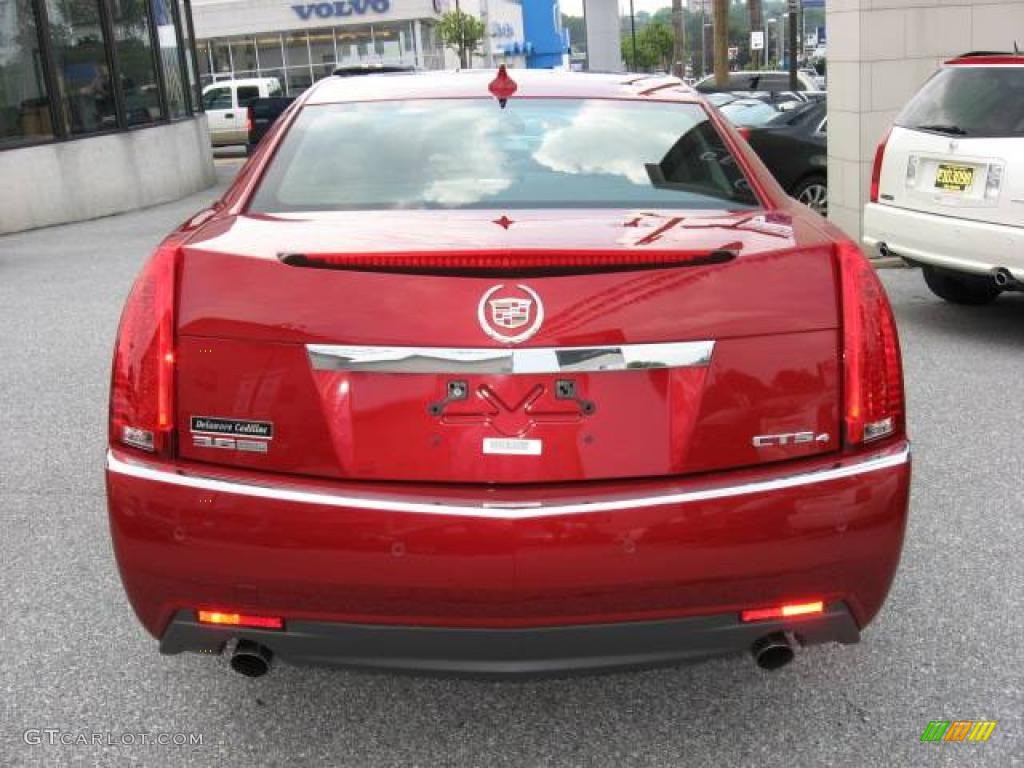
pixel 632 32
pixel 792 45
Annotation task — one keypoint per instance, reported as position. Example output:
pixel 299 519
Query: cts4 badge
pixel 505 308
pixel 790 438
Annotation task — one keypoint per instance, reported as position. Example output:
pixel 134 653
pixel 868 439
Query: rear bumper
pixel 510 652
pixel 346 563
pixel 945 241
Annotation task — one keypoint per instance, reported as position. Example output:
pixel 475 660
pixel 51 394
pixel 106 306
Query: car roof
pixel 474 83
pixel 985 58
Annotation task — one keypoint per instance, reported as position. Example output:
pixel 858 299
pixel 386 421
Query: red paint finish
pixel 778 311
pixel 180 547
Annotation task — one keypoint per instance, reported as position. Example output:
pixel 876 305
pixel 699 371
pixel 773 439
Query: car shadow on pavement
pixel 999 323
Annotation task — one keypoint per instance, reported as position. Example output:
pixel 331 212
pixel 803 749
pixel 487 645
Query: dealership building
pixel 99 109
pixel 300 41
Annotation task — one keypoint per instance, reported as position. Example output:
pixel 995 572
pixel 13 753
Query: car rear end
pixel 947 188
pixel 498 431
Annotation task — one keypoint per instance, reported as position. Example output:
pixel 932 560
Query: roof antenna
pixel 1015 48
pixel 502 86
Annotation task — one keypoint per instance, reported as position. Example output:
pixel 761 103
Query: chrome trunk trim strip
pixel 501 361
pixel 508 510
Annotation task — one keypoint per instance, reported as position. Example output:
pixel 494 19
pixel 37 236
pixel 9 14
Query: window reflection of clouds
pixel 603 138
pixel 451 158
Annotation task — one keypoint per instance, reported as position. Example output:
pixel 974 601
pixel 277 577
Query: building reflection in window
pixel 83 74
pixel 24 105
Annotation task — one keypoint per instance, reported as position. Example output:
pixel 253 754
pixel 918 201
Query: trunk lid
pixel 394 371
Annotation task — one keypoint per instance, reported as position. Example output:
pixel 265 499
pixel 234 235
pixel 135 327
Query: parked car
pixel 794 147
pixel 491 375
pixel 750 112
pixel 262 114
pixel 814 77
pixel 758 80
pixel 947 186
pixel 226 103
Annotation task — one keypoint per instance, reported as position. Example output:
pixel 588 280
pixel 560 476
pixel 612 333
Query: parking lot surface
pixel 947 646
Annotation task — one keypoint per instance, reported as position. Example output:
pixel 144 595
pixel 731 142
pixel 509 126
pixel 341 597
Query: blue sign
pixel 340 8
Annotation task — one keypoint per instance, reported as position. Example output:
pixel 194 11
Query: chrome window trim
pixel 506 510
pixel 504 361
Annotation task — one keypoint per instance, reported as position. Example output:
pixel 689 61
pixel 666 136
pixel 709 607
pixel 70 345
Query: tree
pixel 721 22
pixel 653 48
pixel 462 33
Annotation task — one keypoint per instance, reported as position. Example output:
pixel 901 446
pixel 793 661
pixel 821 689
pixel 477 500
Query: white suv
pixel 947 187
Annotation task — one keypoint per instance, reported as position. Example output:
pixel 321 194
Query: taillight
pixel 142 380
pixel 744 132
pixel 872 373
pixel 876 169
pixel 248 120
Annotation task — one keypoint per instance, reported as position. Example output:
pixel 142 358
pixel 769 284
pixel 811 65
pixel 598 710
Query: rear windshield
pixel 470 153
pixel 969 101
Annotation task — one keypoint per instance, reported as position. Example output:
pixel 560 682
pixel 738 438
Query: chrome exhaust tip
pixel 251 659
pixel 774 651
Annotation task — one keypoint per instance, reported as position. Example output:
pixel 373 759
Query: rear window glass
pixel 469 153
pixel 969 101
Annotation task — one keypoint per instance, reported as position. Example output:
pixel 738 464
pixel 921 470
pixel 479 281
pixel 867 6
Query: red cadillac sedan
pixel 505 373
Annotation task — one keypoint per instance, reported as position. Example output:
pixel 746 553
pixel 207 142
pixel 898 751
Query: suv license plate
pixel 954 178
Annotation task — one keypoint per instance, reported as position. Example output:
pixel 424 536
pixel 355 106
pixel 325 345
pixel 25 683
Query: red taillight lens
pixel 744 132
pixel 142 380
pixel 228 619
pixel 248 120
pixel 876 169
pixel 873 375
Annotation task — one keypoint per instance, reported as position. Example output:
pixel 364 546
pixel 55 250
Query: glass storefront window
pixel 135 60
pixel 82 70
pixel 321 48
pixel 170 62
pixel 269 47
pixel 220 54
pixel 243 54
pixel 296 50
pixel 24 106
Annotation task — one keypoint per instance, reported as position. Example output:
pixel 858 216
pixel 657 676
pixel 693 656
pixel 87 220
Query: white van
pixel 226 102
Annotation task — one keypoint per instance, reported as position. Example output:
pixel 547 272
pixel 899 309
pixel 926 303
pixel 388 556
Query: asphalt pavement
pixel 947 646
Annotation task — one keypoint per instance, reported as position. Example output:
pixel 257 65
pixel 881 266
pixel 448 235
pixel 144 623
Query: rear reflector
pixel 516 261
pixel 240 620
pixel 784 611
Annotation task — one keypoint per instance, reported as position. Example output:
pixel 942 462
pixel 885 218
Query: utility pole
pixel 721 21
pixel 632 33
pixel 678 40
pixel 792 44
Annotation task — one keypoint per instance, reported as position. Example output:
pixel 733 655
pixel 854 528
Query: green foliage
pixel 653 48
pixel 462 33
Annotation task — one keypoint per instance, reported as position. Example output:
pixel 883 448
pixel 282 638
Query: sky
pixel 575 7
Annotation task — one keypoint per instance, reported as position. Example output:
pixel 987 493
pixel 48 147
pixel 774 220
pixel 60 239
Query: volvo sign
pixel 341 8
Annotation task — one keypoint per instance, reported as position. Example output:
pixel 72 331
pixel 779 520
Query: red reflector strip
pixel 498 260
pixel 787 611
pixel 240 620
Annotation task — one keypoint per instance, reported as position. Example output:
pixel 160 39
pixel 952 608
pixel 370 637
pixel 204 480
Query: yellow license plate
pixel 954 178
